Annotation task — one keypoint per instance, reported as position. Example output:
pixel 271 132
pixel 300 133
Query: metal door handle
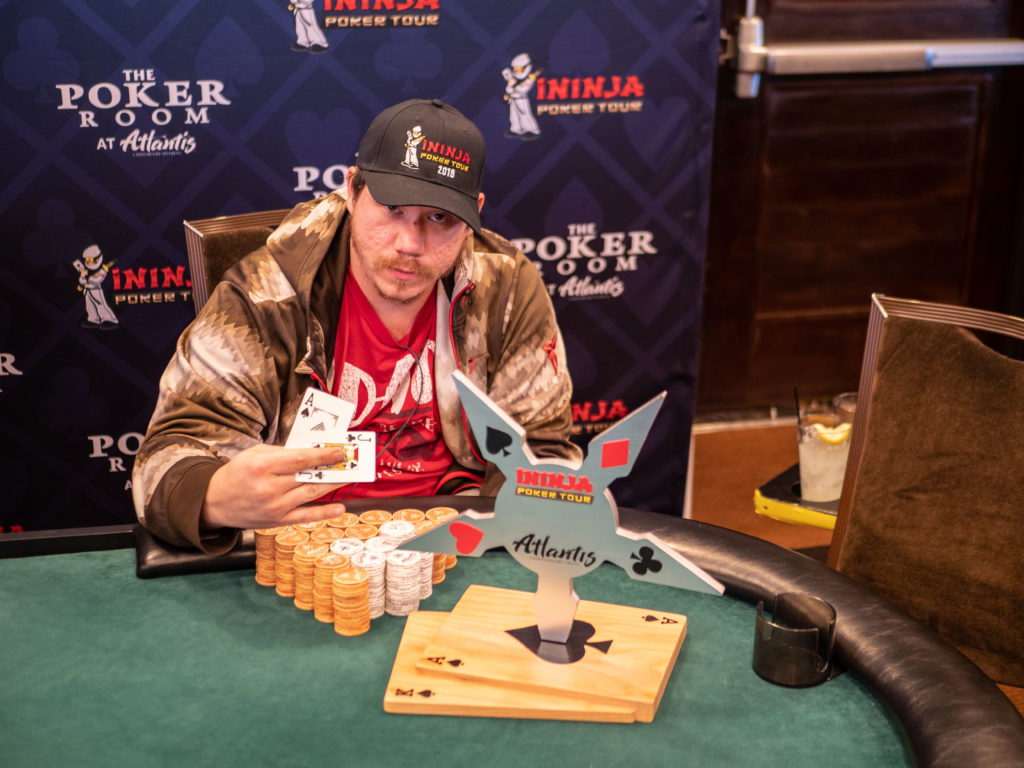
pixel 752 57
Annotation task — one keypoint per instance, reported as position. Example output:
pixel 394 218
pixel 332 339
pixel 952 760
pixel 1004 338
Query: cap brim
pixel 393 189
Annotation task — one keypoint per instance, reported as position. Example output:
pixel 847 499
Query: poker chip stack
pixel 397 531
pixel 351 598
pixel 402 596
pixel 351 569
pixel 374 562
pixel 284 569
pixel 433 566
pixel 323 584
pixel 426 575
pixel 442 515
pixel 304 559
pixel 437 569
pixel 266 570
pixel 401 529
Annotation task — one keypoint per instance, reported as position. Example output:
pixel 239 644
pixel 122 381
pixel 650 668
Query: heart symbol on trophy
pixel 466 536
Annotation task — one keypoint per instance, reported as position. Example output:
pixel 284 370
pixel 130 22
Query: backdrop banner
pixel 121 119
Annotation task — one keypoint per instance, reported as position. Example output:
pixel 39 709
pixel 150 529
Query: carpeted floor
pixel 731 459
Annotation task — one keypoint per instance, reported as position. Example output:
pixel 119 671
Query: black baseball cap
pixel 424 152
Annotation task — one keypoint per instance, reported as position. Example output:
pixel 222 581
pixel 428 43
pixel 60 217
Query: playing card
pixel 322 417
pixel 357 466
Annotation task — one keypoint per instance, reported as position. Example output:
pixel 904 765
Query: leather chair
pixel 215 244
pixel 932 509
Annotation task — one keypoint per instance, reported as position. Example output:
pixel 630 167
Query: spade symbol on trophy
pixel 498 441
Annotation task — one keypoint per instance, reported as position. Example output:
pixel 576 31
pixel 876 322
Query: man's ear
pixel 349 194
pixel 480 202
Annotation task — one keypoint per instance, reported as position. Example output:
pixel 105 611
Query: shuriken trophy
pixel 558 518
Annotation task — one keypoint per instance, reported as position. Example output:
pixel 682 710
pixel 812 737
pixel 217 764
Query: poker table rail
pixel 950 712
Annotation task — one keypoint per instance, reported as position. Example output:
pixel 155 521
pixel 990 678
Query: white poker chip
pixel 346 546
pixel 379 544
pixel 397 530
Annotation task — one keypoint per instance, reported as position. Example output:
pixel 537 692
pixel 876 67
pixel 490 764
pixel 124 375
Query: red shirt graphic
pixel 392 385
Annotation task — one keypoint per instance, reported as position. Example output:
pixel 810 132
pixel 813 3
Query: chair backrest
pixel 932 509
pixel 215 244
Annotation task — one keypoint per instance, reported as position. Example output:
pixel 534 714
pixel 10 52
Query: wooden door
pixel 827 188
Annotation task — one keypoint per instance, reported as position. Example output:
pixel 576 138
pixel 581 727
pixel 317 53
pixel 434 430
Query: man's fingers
pixel 291 460
pixel 302 494
pixel 313 513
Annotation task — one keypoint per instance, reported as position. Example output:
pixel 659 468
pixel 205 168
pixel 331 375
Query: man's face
pixel 398 253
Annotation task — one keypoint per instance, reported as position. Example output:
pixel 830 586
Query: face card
pixel 322 417
pixel 357 466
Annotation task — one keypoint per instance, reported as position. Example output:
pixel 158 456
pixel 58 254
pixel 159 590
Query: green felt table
pixel 101 668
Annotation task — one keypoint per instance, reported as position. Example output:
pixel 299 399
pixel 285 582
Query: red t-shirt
pixel 392 385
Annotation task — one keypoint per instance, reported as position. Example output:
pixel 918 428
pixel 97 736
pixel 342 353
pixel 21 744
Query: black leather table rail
pixel 952 714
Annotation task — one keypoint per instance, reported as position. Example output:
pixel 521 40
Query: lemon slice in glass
pixel 833 435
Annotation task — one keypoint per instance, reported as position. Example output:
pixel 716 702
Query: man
pixel 377 293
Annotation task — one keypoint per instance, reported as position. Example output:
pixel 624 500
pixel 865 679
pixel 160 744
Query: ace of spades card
pixel 322 417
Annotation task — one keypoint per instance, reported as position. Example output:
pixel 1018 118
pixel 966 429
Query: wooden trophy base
pixel 482 660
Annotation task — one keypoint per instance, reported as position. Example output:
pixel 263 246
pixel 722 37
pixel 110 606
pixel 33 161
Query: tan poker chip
pixel 423 526
pixel 375 516
pixel 327 535
pixel 291 537
pixel 328 564
pixel 412 515
pixel 308 527
pixel 441 514
pixel 345 520
pixel 350 579
pixel 362 531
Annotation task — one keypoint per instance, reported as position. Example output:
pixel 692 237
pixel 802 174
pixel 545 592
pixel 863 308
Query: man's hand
pixel 257 488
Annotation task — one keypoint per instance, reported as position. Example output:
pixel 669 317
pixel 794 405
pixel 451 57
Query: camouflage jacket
pixel 267 333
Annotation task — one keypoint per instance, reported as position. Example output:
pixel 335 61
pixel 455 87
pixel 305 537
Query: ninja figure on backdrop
pixel 308 35
pixel 92 271
pixel 520 77
pixel 363 303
